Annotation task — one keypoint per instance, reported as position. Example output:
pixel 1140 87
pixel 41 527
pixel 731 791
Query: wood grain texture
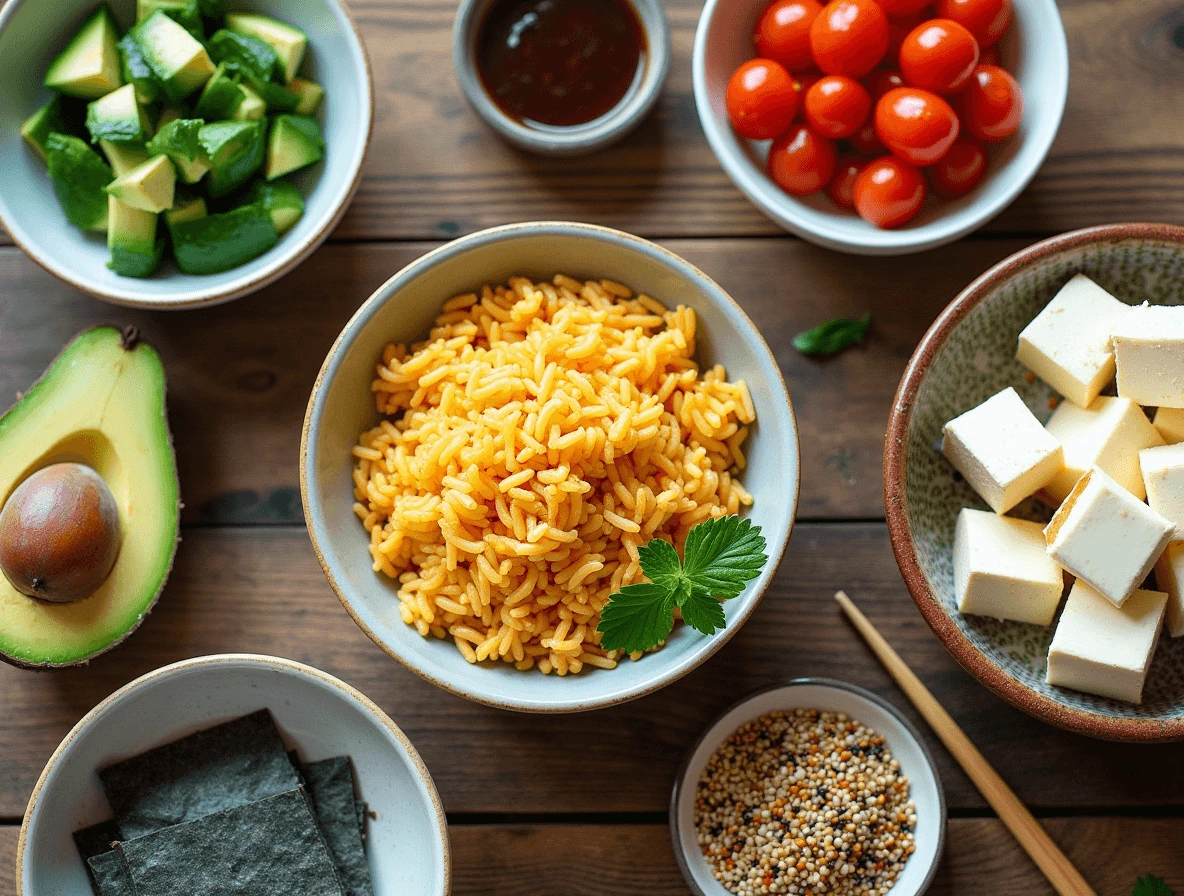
pixel 260 590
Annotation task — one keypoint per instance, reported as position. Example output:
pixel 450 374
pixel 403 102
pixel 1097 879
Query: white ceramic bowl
pixel 1034 50
pixel 836 696
pixel 402 310
pixel 31 34
pixel 318 715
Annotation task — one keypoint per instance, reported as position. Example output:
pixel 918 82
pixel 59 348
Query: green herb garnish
pixel 1152 886
pixel 720 556
pixel 833 336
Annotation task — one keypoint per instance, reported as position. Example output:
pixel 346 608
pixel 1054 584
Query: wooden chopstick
pixel 1065 879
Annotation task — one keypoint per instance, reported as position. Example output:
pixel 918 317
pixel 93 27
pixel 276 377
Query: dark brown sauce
pixel 560 63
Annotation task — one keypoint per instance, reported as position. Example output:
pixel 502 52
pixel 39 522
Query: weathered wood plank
pixel 259 589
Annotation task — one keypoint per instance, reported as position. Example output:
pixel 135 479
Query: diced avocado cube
pixel 176 57
pixel 45 121
pixel 179 141
pixel 221 242
pixel 89 66
pixel 118 118
pixel 148 187
pixel 278 97
pixel 295 141
pixel 137 71
pixel 281 200
pixel 79 178
pixel 220 97
pixel 252 107
pixel 250 55
pixel 309 95
pixel 235 150
pixel 186 210
pixel 186 13
pixel 131 236
pixel 288 43
pixel 121 157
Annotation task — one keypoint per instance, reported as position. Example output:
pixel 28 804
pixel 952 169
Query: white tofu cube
pixel 1103 649
pixel 1068 343
pixel 1163 475
pixel 1109 434
pixel 1170 423
pixel 1169 577
pixel 1149 353
pixel 1002 450
pixel 1001 569
pixel 1106 536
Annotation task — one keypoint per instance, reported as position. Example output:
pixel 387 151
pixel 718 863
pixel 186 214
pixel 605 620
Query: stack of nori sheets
pixel 228 811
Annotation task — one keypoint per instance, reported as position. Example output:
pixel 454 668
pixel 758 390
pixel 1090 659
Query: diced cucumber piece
pixel 79 178
pixel 47 120
pixel 222 242
pixel 131 236
pixel 137 71
pixel 309 95
pixel 186 210
pixel 251 56
pixel 148 187
pixel 176 57
pixel 179 141
pixel 121 157
pixel 295 142
pixel 235 150
pixel 220 97
pixel 118 118
pixel 252 107
pixel 89 66
pixel 288 43
pixel 281 200
pixel 185 13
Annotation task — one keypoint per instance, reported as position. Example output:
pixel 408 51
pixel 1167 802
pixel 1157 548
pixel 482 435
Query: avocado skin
pixel 278 97
pixel 137 71
pixel 178 139
pixel 79 176
pixel 218 243
pixel 280 199
pixel 61 115
pixel 252 56
pixel 212 9
pixel 220 97
pixel 133 263
pixel 235 150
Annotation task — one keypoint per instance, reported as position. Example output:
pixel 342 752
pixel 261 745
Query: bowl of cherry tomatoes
pixel 880 127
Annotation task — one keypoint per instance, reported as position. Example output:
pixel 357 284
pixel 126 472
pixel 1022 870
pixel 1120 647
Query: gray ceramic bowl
pixel 342 407
pixel 571 141
pixel 33 31
pixel 318 715
pixel 967 356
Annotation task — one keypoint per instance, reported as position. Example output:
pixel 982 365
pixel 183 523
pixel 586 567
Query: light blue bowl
pixel 401 311
pixel 32 32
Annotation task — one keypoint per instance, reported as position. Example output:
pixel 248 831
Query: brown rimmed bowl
pixel 967 356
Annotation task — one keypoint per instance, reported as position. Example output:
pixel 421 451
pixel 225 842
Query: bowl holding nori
pixel 265 766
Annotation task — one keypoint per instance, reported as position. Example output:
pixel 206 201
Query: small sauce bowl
pixel 577 139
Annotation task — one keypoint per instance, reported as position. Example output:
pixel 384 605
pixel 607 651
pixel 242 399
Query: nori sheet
pixel 229 765
pixel 109 875
pixel 272 846
pixel 330 787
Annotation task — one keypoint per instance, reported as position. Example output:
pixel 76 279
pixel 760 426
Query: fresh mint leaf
pixel 833 335
pixel 659 560
pixel 723 554
pixel 703 612
pixel 637 617
pixel 1152 886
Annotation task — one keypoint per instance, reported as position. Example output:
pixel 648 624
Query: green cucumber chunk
pixel 280 199
pixel 222 242
pixel 131 236
pixel 137 71
pixel 309 95
pixel 79 178
pixel 288 43
pixel 252 57
pixel 89 66
pixel 235 151
pixel 221 96
pixel 118 118
pixel 176 57
pixel 295 141
pixel 178 140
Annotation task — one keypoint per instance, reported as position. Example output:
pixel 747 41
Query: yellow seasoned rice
pixel 541 434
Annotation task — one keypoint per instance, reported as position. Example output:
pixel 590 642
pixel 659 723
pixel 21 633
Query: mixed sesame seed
pixel 805 803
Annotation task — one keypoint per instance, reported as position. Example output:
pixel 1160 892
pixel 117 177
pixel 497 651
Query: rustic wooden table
pixel 577 804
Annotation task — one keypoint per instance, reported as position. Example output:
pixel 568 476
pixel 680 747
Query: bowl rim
pixel 199 298
pixel 457 247
pixel 903 241
pixel 273 663
pixel 681 782
pixel 896 508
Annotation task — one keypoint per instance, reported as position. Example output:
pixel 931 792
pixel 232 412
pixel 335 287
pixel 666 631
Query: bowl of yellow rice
pixel 502 426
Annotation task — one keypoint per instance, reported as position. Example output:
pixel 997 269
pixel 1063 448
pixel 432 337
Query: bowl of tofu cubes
pixel 1034 480
pixel 178 153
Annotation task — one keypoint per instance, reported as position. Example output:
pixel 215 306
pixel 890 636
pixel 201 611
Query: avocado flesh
pixel 251 108
pixel 42 123
pixel 178 140
pixel 131 237
pixel 281 200
pixel 118 118
pixel 122 158
pixel 150 187
pixel 79 179
pixel 222 242
pixel 295 142
pixel 235 150
pixel 309 95
pixel 246 54
pixel 89 67
pixel 288 43
pixel 178 60
pixel 101 405
pixel 185 13
pixel 189 210
pixel 221 96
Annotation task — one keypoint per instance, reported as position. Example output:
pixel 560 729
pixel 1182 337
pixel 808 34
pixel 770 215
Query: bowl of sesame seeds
pixel 811 788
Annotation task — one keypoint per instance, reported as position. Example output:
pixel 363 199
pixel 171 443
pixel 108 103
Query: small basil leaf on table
pixel 833 335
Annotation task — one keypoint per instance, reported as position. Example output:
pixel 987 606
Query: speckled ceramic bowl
pixel 967 356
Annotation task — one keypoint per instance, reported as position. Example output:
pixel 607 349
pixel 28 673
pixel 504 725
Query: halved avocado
pixel 89 66
pixel 101 403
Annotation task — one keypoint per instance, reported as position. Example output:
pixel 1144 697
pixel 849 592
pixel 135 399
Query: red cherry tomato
pixel 837 106
pixel 841 188
pixel 990 56
pixel 849 37
pixel 801 161
pixel 761 99
pixel 987 20
pixel 993 104
pixel 783 32
pixel 898 30
pixel 866 142
pixel 889 192
pixel 916 125
pixel 938 55
pixel 881 81
pixel 898 8
pixel 959 170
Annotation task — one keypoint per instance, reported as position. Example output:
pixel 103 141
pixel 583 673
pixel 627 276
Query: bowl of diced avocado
pixel 177 153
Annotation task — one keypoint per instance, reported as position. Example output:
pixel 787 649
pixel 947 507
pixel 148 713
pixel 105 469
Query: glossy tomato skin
pixel 841 188
pixel 960 170
pixel 881 81
pixel 916 125
pixel 802 161
pixel 837 106
pixel 865 142
pixel 990 56
pixel 849 37
pixel 783 33
pixel 899 8
pixel 939 55
pixel 987 20
pixel 761 99
pixel 889 192
pixel 993 104
pixel 898 29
